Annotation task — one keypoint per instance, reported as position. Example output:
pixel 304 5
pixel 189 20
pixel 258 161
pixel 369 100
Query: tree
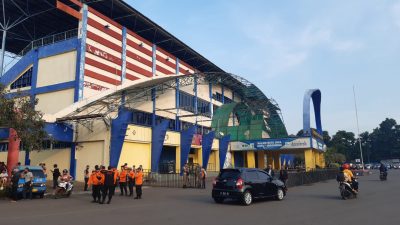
pixel 385 141
pixel 19 113
pixel 344 143
pixel 326 137
pixel 332 156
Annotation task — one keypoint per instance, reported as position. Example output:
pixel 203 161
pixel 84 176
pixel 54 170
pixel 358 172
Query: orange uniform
pixel 131 174
pixel 139 178
pixel 122 176
pixel 96 178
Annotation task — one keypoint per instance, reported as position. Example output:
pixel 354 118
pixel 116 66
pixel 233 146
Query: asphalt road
pixel 378 203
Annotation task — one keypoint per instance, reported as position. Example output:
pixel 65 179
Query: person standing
pixel 185 175
pixel 139 183
pixel 96 179
pixel 122 181
pixel 28 176
pixel 110 181
pixel 203 178
pixel 131 180
pixel 86 176
pixel 56 175
pixel 14 185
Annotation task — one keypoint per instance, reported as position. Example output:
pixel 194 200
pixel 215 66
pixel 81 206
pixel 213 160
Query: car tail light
pixel 239 183
pixel 214 182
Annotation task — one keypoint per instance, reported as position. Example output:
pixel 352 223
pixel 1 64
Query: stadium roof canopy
pixel 41 18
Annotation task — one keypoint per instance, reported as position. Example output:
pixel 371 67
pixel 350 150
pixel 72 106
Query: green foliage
pixel 333 157
pixel 19 113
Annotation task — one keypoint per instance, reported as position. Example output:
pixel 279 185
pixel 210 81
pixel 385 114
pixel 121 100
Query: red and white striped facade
pixel 104 60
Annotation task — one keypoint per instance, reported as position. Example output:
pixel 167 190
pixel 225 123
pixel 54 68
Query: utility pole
pixel 358 128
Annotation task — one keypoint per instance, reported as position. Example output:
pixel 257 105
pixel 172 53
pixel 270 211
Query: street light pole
pixel 358 128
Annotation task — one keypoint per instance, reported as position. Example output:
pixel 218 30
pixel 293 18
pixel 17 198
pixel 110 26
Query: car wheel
pixel 219 200
pixel 280 194
pixel 247 198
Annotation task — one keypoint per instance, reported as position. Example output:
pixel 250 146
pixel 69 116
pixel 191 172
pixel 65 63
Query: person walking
pixel 14 186
pixel 270 171
pixel 86 176
pixel 131 180
pixel 56 175
pixel 283 175
pixel 139 183
pixel 122 180
pixel 110 181
pixel 28 176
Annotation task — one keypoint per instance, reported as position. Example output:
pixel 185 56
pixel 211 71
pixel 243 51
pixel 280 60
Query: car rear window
pixel 229 174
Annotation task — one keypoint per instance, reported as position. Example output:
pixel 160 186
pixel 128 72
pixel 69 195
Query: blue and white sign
pixel 272 144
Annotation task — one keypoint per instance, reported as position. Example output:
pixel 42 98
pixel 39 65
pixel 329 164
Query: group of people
pixel 3 176
pixel 283 173
pixel 104 181
pixel 200 176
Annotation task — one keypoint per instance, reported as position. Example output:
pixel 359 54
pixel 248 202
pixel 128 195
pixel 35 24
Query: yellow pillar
pixel 277 161
pixel 178 159
pixel 251 159
pixel 322 158
pixel 232 159
pixel 261 161
pixel 309 159
pixel 199 156
pixel 217 160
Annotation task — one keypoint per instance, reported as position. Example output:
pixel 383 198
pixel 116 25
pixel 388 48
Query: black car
pixel 245 184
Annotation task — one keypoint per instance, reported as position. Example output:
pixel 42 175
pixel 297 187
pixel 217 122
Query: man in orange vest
pixel 131 180
pixel 139 183
pixel 96 179
pixel 122 180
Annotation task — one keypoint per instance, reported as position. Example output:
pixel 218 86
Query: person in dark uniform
pixel 131 180
pixel 110 181
pixel 56 175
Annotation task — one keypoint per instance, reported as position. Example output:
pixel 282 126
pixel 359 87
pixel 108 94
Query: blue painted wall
pixel 157 142
pixel 315 96
pixel 118 131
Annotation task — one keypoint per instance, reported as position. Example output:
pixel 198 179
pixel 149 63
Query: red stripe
pixel 163 70
pixel 138 69
pixel 104 17
pixel 166 53
pixel 131 77
pixel 139 48
pixel 102 54
pixel 76 2
pixel 139 37
pixel 102 66
pixel 99 26
pixel 103 41
pixel 185 64
pixel 181 70
pixel 63 7
pixel 101 77
pixel 138 58
pixel 166 62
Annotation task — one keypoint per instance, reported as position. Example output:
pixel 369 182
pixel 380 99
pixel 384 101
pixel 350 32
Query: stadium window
pixel 23 81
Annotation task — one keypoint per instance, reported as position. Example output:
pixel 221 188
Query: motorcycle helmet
pixel 65 171
pixel 346 166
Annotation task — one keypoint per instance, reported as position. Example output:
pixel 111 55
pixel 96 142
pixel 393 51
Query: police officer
pixel 96 179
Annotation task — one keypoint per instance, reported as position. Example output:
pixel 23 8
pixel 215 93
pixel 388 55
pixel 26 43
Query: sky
pixel 287 47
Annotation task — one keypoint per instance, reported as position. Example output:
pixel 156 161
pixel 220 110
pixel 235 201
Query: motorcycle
pixel 383 176
pixel 64 189
pixel 346 191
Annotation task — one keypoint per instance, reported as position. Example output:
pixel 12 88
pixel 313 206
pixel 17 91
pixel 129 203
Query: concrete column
pixel 123 55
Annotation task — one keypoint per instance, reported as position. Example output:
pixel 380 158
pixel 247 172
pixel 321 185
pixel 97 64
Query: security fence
pixel 301 178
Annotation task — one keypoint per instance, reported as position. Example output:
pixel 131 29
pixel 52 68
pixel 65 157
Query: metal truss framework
pixel 106 108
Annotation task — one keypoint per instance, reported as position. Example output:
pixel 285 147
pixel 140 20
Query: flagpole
pixel 358 128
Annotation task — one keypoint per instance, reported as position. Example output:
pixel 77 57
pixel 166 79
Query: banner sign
pixel 272 144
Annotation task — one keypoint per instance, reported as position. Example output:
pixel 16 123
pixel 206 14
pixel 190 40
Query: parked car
pixel 246 184
pixel 39 180
pixel 396 166
pixel 368 166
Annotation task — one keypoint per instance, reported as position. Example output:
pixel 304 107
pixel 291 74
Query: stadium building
pixel 117 88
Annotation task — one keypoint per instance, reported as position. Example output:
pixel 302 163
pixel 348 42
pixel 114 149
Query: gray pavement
pixel 378 203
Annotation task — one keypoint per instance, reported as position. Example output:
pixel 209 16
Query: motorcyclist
pixel 349 177
pixel 65 177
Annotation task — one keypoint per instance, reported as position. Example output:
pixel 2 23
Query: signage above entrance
pixel 276 144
